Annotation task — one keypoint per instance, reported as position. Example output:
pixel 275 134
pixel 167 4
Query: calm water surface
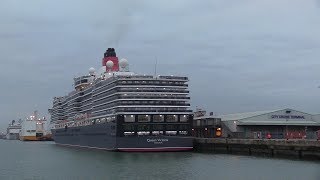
pixel 45 160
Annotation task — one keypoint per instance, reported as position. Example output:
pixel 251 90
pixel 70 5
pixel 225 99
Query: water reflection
pixel 48 161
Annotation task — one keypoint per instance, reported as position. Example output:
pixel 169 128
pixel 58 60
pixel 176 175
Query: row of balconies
pixel 140 103
pixel 139 98
pixel 142 110
pixel 152 83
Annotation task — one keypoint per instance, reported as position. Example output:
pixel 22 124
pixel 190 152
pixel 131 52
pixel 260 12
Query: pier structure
pixel 296 148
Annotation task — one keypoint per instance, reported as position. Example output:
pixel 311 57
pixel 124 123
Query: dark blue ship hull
pixel 104 137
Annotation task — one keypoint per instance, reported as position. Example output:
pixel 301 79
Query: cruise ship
pixel 118 110
pixel 13 130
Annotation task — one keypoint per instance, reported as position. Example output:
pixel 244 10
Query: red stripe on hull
pixel 88 147
pixel 167 149
pixel 164 149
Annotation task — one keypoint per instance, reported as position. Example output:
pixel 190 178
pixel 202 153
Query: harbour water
pixel 45 160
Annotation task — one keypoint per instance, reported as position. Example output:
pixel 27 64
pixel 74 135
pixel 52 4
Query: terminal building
pixel 276 124
pixel 206 126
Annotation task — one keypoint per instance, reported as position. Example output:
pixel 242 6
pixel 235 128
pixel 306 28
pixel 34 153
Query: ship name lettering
pixel 157 140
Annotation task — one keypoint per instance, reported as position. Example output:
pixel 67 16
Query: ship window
pixel 108 119
pixel 113 119
pixel 171 127
pixel 172 118
pixel 143 127
pixel 84 80
pixel 183 118
pixel 157 127
pixel 158 118
pixel 171 133
pixel 141 133
pixel 183 132
pixel 143 118
pixel 128 127
pixel 128 133
pixel 183 127
pixel 129 118
pixel 157 132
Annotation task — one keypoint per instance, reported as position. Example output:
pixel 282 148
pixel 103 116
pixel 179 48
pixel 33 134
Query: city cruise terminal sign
pixel 287 117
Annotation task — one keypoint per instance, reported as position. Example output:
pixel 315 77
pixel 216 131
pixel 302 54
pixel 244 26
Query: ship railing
pixel 134 76
pixel 152 77
pixel 155 103
pixel 152 97
pixel 153 84
pixel 139 90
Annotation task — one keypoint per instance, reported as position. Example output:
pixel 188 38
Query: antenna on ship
pixel 155 66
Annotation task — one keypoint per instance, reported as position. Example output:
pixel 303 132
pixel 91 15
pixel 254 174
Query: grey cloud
pixel 240 55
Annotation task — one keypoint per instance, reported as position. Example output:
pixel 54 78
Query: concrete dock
pixel 297 148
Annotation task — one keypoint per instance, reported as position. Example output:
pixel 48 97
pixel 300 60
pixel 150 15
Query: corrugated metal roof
pixel 239 116
pixel 291 123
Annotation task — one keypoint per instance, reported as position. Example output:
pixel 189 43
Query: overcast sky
pixel 240 56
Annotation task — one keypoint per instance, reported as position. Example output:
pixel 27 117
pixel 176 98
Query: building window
pixel 129 118
pixel 183 118
pixel 158 118
pixel 143 118
pixel 172 118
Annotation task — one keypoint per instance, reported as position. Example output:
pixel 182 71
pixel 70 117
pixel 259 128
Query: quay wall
pixel 296 148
